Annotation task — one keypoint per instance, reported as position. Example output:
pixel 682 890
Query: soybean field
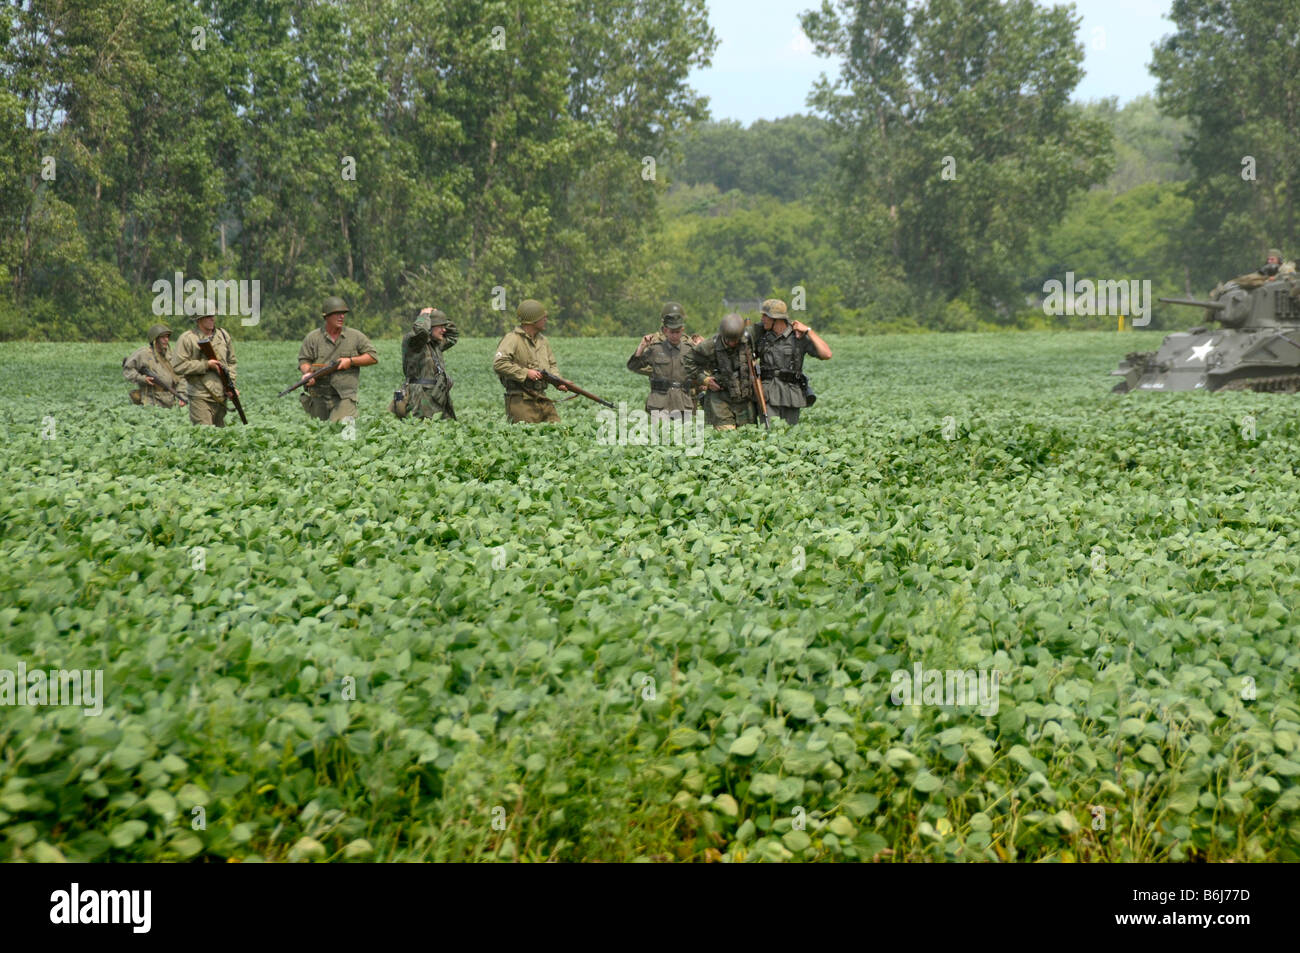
pixel 401 640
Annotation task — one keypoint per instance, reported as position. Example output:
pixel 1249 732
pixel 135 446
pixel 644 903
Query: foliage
pixel 1232 67
pixel 1135 235
pixel 500 595
pixel 1148 144
pixel 426 151
pixel 788 158
pixel 957 136
pixel 738 243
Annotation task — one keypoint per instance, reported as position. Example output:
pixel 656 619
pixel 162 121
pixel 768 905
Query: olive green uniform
pixel 782 373
pixel 1254 279
pixel 733 406
pixel 333 396
pixel 526 401
pixel 428 387
pixel 665 365
pixel 147 362
pixel 204 391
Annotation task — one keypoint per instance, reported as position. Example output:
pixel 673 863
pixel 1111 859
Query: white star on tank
pixel 1200 352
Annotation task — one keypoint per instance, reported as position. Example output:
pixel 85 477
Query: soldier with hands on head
pixel 150 369
pixel 721 365
pixel 520 359
pixel 333 396
pixel 205 391
pixel 428 387
pixel 662 357
pixel 782 348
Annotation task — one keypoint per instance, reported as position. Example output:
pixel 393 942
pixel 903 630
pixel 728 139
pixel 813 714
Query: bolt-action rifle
pixel 159 382
pixel 747 343
pixel 558 381
pixel 310 378
pixel 205 345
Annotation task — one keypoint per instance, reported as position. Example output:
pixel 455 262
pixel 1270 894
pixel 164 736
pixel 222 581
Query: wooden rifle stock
pixel 557 381
pixel 205 345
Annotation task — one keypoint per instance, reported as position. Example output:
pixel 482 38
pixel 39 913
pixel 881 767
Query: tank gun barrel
pixel 1209 305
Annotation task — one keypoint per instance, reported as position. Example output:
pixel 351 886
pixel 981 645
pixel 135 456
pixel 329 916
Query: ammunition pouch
pixel 788 377
pixel 399 406
pixel 135 397
pixel 796 378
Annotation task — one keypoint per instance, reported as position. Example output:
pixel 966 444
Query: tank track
pixel 1266 385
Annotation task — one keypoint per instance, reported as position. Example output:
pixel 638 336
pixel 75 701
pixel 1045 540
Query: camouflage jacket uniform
pixel 203 382
pixel 726 365
pixel 146 362
pixel 318 350
pixel 782 356
pixel 428 386
pixel 665 365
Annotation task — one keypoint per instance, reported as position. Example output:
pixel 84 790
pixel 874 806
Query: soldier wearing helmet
pixel 721 365
pixel 150 369
pixel 520 359
pixel 333 396
pixel 427 392
pixel 1272 263
pixel 1284 267
pixel 205 391
pixel 782 348
pixel 661 356
pixel 1272 269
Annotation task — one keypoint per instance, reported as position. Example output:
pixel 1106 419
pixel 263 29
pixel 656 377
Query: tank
pixel 1255 347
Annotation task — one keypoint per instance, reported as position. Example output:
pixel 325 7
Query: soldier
pixel 333 396
pixel 1272 268
pixel 428 388
pixel 204 390
pixel 1275 265
pixel 721 365
pixel 661 356
pixel 150 369
pixel 782 348
pixel 521 357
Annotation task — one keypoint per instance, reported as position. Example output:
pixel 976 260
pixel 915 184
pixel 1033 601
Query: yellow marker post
pixel 1121 323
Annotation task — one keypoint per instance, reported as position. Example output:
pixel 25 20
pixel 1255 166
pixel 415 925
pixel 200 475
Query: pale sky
pixel 764 66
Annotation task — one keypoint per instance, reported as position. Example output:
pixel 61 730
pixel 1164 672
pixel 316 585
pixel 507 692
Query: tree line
pixel 395 152
pixel 473 154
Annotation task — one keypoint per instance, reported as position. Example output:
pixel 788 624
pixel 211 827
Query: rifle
pixel 159 382
pixel 758 387
pixel 569 385
pixel 310 378
pixel 205 345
